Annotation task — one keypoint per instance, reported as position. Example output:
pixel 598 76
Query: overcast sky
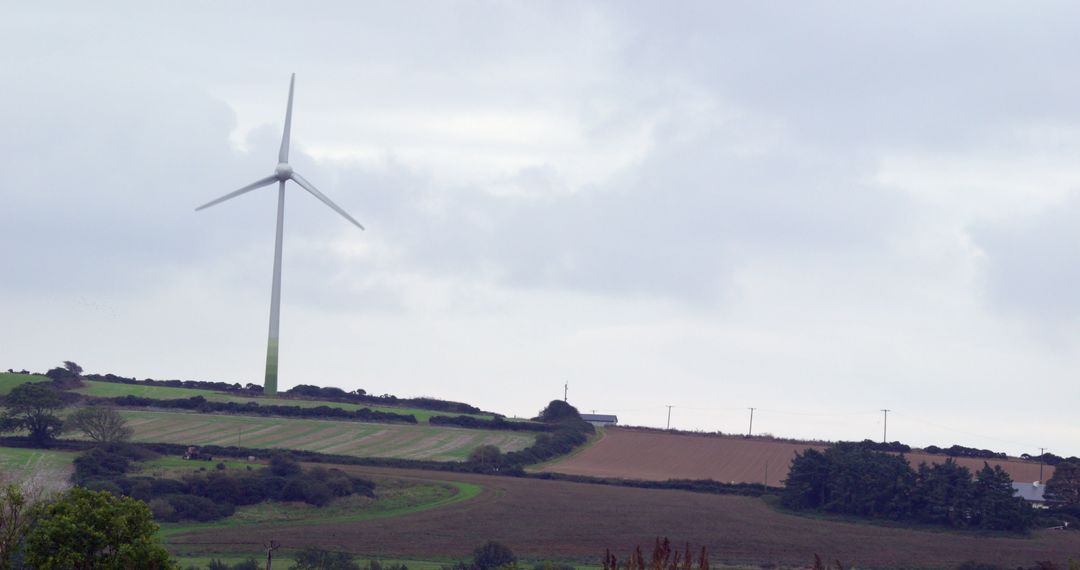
pixel 816 209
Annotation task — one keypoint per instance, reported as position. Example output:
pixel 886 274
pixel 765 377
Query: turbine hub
pixel 283 171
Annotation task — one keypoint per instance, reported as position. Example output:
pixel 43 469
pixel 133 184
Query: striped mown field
pixel 325 436
pixel 113 389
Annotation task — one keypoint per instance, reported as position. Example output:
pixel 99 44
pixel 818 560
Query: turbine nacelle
pixel 283 171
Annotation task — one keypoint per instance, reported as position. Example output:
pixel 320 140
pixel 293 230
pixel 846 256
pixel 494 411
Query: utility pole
pixel 270 548
pixel 751 431
pixel 1042 458
pixel 669 416
pixel 885 430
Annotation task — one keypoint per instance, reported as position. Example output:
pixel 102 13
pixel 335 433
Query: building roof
pixel 1030 491
pixel 600 418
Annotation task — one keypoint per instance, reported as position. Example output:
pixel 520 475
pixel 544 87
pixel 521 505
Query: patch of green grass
pixel 394 497
pixel 19 463
pixel 113 390
pixel 9 380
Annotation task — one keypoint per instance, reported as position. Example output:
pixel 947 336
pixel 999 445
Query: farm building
pixel 1031 492
pixel 600 420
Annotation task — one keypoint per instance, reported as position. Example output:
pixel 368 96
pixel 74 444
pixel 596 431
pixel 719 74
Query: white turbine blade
pixel 283 154
pixel 254 185
pixel 314 192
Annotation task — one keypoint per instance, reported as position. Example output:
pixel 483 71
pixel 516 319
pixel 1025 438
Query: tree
pixel 14 523
pixel 1063 489
pixel 88 529
pixel 32 407
pixel 73 368
pixel 284 465
pixel 995 506
pixel 492 555
pixel 558 411
pixel 944 494
pixel 487 455
pixel 103 425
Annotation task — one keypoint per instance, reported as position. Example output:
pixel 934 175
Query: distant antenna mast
pixel 669 416
pixel 751 431
pixel 885 430
pixel 565 391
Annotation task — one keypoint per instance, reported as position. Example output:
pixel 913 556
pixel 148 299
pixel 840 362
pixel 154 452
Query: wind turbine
pixel 282 173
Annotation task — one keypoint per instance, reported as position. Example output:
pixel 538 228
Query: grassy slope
pixel 9 380
pixel 13 460
pixel 395 497
pixel 341 437
pixel 112 390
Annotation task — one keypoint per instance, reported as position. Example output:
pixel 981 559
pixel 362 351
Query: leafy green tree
pixel 488 455
pixel 849 478
pixel 15 519
pixel 558 411
pixel 284 465
pixel 86 529
pixel 492 555
pixel 995 506
pixel 1063 489
pixel 807 483
pixel 32 407
pixel 73 368
pixel 313 558
pixel 944 494
pixel 104 425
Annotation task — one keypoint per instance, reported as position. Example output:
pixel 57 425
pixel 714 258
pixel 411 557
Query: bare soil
pixel 539 519
pixel 658 456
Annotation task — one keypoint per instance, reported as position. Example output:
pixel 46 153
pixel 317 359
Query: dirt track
pixel 658 456
pixel 539 518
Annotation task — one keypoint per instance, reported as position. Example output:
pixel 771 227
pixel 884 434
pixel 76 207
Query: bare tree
pixel 100 424
pixel 18 497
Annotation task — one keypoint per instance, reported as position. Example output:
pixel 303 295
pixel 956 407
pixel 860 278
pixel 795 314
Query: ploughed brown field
pixel 539 518
pixel 658 456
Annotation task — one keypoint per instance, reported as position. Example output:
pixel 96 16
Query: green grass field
pixel 17 464
pixel 326 436
pixel 394 497
pixel 112 390
pixel 9 380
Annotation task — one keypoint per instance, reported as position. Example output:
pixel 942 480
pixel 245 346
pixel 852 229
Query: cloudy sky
pixel 816 209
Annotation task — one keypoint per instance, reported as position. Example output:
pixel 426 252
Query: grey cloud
pixel 1032 266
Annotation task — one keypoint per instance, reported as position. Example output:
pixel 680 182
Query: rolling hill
pixel 658 456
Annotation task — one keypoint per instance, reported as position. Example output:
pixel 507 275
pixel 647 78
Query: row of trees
pixel 851 479
pixel 34 409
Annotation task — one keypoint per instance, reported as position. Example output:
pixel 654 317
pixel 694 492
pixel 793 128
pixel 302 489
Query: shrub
pixel 313 558
pixel 284 465
pixel 492 555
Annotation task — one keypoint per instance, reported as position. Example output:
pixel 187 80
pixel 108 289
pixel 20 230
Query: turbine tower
pixel 282 173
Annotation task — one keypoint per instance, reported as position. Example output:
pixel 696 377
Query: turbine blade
pixel 283 154
pixel 254 185
pixel 314 192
